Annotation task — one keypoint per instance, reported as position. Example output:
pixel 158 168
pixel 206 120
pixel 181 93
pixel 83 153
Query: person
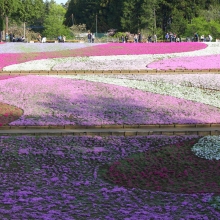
pixel 89 37
pixel 196 37
pixel 139 37
pixel 210 38
pixel 59 38
pixel 93 37
pixel 167 37
pixel 155 38
pixel 126 39
pixel 64 39
pixel 149 39
pixel 123 39
pixel 135 38
pixel 202 38
pixel 44 40
pixel 39 38
pixel 6 37
pixel 11 37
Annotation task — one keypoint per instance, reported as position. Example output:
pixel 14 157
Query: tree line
pixel 154 16
pixel 183 17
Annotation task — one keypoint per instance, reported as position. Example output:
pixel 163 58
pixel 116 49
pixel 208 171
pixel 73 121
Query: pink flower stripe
pixel 103 50
pixel 198 62
pixel 7 77
pixel 52 101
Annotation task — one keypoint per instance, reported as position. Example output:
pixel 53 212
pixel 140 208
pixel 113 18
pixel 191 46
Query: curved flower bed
pixel 111 49
pixel 9 113
pixel 208 147
pixel 39 47
pixel 172 168
pixel 203 88
pixel 201 62
pixel 58 178
pixel 54 101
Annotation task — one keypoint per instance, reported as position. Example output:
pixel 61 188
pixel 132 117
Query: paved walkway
pixel 214 130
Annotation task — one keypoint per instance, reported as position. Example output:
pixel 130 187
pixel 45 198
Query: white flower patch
pixel 32 65
pixel 208 147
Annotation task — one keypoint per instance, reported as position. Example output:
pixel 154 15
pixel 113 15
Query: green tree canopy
pixel 203 27
pixel 30 11
pixel 53 23
pixel 7 7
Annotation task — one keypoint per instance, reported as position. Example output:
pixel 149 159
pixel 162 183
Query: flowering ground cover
pixel 63 177
pixel 173 168
pixel 51 100
pixel 202 88
pixel 14 56
pixel 202 62
pixel 59 178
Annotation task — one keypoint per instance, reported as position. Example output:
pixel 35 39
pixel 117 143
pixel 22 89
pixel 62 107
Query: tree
pixel 138 15
pixel 203 27
pixel 53 23
pixel 7 7
pixel 29 11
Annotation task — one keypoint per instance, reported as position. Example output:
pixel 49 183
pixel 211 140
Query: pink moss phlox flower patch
pixel 198 62
pixel 103 50
pixel 53 101
pixel 7 77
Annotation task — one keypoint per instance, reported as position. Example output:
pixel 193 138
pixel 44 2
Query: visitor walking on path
pixel 89 37
pixel 135 38
pixel 139 37
pixel 93 38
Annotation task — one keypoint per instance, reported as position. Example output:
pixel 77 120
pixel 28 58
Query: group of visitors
pixel 151 39
pixel 91 37
pixel 202 38
pixel 61 39
pixel 172 37
pixel 11 38
pixel 137 38
pixel 41 39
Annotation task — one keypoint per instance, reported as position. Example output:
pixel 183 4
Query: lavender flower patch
pixel 39 47
pixel 55 101
pixel 48 178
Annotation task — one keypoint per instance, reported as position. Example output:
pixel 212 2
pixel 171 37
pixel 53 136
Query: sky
pixel 60 1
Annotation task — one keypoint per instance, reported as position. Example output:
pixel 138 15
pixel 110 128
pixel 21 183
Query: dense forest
pixel 183 17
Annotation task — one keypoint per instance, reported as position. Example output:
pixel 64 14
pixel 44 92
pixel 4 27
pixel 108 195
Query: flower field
pixel 54 100
pixel 113 177
pixel 59 178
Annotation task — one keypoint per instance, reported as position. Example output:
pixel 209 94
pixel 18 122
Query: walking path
pixel 126 130
pixel 129 131
pixel 73 72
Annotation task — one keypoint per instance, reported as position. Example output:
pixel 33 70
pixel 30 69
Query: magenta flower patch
pixel 6 77
pixel 198 62
pixel 102 50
